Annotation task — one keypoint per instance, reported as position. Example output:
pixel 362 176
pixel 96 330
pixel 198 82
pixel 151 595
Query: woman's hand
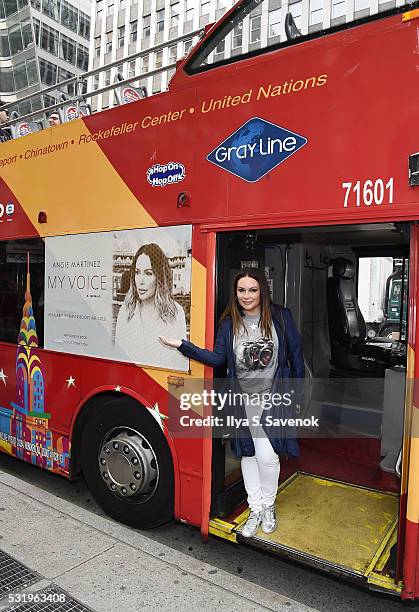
pixel 170 341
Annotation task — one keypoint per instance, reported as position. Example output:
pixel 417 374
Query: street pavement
pixel 107 566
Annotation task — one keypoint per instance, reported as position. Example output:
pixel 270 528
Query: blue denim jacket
pixel 290 365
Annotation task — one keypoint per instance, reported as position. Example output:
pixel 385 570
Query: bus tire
pixel 128 465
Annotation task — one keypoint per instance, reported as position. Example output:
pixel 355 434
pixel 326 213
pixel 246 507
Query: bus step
pixel 334 525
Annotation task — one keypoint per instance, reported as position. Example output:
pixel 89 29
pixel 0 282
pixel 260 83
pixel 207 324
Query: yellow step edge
pixel 386 553
pixel 222 529
pixel 374 561
pixel 385 582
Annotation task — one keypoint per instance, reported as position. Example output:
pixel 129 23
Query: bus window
pixel 382 295
pixel 18 260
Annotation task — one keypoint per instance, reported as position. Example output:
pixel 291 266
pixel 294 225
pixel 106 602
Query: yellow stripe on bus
pixel 409 408
pixel 198 308
pixel 74 183
pixel 412 513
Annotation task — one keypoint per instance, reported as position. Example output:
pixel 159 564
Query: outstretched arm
pixel 213 358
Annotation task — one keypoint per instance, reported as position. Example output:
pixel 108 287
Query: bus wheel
pixel 128 465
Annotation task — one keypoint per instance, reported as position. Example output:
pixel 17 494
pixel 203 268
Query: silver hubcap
pixel 128 464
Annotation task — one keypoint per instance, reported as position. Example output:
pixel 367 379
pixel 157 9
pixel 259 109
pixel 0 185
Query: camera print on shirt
pixel 255 354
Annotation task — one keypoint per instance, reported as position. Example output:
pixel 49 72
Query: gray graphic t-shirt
pixel 256 357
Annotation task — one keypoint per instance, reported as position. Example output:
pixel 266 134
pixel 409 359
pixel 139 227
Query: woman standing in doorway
pixel 261 346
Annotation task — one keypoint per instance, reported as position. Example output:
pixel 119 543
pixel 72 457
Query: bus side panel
pixel 41 392
pixel 69 382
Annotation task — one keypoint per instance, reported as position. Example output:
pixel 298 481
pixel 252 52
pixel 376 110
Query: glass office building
pixel 42 43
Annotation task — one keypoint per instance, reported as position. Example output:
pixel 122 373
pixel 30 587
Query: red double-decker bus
pixel 299 159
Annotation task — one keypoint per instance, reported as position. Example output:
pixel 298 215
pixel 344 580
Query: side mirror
pixel 291 30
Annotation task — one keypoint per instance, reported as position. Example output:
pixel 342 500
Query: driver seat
pixel 352 353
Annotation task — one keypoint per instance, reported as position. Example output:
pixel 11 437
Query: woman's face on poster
pixel 145 279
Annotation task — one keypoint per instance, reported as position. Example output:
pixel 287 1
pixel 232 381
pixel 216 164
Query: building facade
pixel 123 27
pixel 165 30
pixel 42 43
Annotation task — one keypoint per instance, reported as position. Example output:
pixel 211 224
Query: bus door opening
pixel 347 288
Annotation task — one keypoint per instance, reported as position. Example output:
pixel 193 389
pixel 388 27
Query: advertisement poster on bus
pixel 113 294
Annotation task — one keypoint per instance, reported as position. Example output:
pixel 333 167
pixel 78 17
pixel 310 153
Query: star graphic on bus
pixel 71 382
pixel 158 415
pixel 3 376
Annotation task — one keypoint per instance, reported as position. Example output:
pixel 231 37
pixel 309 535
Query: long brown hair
pixel 234 311
pixel 163 299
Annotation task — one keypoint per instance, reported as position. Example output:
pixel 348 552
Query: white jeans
pixel 261 474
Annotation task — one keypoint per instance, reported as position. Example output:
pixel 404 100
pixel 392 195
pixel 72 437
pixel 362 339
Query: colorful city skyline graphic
pixel 24 428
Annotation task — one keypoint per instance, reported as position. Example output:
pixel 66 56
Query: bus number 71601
pixel 368 192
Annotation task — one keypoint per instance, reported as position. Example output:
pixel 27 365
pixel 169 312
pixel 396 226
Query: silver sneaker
pixel 269 522
pixel 252 524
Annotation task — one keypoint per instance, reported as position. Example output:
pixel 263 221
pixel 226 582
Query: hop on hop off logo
pixel 256 148
pixel 161 175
